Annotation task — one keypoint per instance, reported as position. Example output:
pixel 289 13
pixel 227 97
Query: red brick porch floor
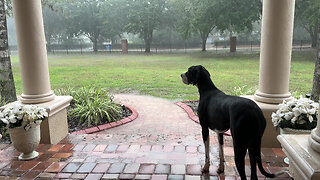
pixel 162 143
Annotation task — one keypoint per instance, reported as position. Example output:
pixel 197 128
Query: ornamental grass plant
pixel 91 106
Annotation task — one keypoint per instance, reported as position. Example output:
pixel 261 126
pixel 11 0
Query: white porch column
pixel 275 55
pixel 32 51
pixel 35 71
pixel 275 58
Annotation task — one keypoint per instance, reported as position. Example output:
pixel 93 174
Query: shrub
pixel 91 106
pixel 243 90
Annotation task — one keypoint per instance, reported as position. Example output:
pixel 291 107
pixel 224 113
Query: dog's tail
pixel 265 173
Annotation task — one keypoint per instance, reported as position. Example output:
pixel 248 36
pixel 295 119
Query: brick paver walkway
pixel 162 143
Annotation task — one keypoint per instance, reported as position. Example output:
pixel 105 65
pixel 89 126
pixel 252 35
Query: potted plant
pixel 23 122
pixel 296 116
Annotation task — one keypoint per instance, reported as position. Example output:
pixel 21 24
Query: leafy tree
pixel 196 16
pixel 145 16
pixel 114 18
pixel 237 15
pixel 7 87
pixel 316 77
pixel 202 16
pixel 53 25
pixel 307 14
pixel 84 15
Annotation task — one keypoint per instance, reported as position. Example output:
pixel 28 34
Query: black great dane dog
pixel 220 112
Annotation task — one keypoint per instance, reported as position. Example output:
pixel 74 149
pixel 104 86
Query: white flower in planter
pixel 297 114
pixel 18 115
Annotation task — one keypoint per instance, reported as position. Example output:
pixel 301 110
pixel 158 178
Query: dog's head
pixel 194 75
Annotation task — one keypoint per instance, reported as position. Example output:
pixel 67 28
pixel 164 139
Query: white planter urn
pixel 25 141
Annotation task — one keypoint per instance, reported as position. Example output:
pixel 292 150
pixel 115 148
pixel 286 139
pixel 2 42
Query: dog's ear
pixel 193 74
pixel 205 72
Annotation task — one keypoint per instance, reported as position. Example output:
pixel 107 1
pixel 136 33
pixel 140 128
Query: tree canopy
pixel 145 16
pixel 202 16
pixel 196 16
pixel 307 13
pixel 104 20
pixel 86 17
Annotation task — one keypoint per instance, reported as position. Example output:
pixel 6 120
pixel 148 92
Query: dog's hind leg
pixel 253 164
pixel 239 156
pixel 221 154
pixel 205 137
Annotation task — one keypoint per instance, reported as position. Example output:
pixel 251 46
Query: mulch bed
pixel 193 105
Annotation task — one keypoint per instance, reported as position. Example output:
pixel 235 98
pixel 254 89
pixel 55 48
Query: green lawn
pixel 159 74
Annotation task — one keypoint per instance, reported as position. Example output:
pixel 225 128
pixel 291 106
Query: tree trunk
pixel 314 39
pixel 49 49
pixel 7 88
pixel 204 42
pixel 316 77
pixel 147 41
pixel 95 45
pixel 204 36
pixel 313 32
pixel 148 46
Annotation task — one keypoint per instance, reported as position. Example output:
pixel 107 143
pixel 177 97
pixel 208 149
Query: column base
pixel 304 161
pixel 271 98
pixel 269 138
pixel 55 127
pixel 34 99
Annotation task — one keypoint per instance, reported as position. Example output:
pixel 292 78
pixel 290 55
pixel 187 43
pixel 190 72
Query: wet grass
pixel 159 74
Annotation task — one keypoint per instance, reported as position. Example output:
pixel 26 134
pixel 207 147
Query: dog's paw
pixel 220 170
pixel 205 169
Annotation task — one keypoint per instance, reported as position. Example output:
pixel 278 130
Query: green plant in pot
pixel 296 116
pixel 23 122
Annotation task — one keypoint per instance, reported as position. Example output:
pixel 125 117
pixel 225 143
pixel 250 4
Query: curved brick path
pixel 159 122
pixel 162 143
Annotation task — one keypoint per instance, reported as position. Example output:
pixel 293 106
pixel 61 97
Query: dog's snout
pixel 181 75
pixel 184 78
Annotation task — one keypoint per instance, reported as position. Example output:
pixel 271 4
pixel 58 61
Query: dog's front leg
pixel 221 154
pixel 205 137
